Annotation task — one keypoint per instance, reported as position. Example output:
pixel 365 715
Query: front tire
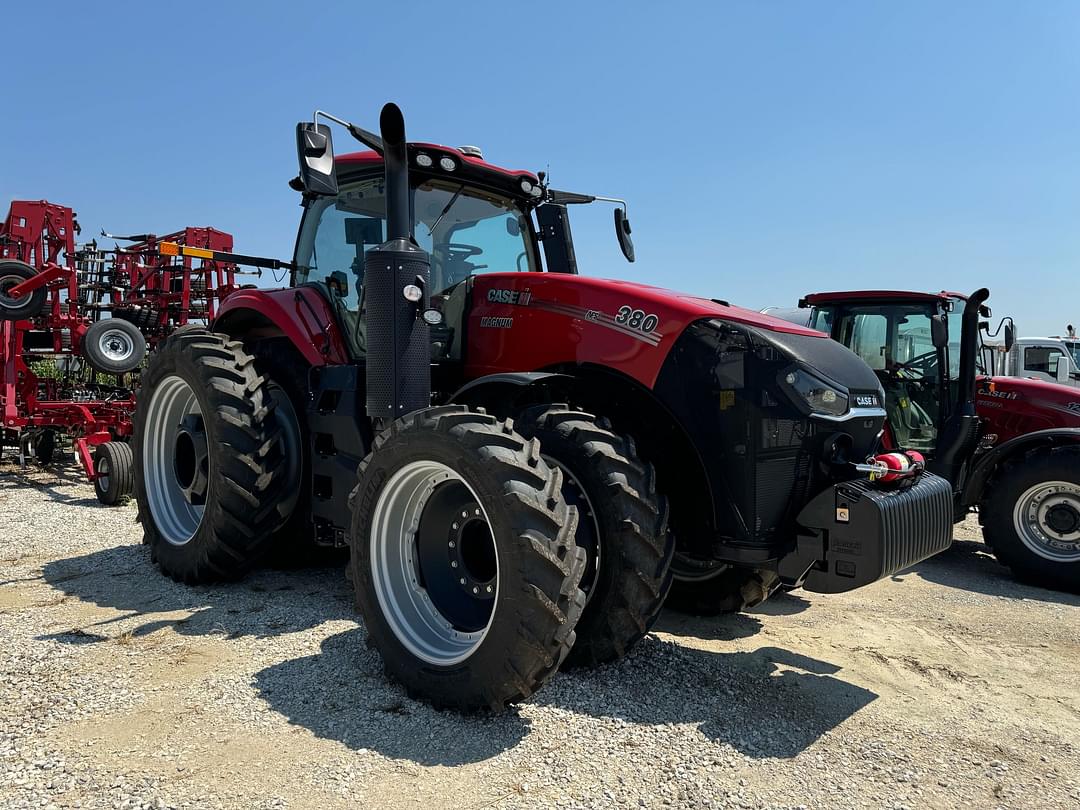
pixel 209 465
pixel 1031 518
pixel 622 526
pixel 463 559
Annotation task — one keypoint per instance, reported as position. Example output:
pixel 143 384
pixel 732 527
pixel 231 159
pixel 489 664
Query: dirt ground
pixel 950 685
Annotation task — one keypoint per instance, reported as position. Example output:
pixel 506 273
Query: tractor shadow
pixel 341 694
pixel 264 604
pixel 970 566
pixel 62 481
pixel 765 703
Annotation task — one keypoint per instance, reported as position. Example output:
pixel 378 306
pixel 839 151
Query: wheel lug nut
pixel 453 563
pixel 477 513
pixel 488 589
pixel 465 514
pixel 452 544
pixel 462 580
pixel 453 525
pixel 476 590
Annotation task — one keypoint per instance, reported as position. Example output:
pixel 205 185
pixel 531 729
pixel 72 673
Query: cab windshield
pixel 895 340
pixel 1074 350
pixel 464 229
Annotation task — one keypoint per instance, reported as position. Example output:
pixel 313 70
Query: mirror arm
pixel 369 139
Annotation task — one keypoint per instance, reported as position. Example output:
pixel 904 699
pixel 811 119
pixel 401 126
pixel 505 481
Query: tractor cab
pixel 471 217
pixel 912 342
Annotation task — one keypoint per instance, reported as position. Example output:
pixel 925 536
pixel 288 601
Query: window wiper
pixel 449 205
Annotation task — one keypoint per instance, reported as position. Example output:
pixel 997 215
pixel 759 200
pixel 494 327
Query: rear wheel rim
pixel 1047 520
pixel 434 563
pixel 172 410
pixel 588 530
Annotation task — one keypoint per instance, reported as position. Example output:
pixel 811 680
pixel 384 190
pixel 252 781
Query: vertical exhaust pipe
pixel 396 167
pixel 969 345
pixel 398 368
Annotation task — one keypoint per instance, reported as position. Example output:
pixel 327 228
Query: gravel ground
pixel 948 686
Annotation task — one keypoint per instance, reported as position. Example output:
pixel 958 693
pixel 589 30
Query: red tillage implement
pixel 93 313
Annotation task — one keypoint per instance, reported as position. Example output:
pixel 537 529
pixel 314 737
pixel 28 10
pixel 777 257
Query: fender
pixel 302 314
pixel 986 464
pixel 507 388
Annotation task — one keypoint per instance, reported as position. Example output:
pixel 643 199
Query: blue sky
pixel 767 149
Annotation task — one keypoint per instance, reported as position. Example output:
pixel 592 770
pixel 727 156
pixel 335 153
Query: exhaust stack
pixel 398 368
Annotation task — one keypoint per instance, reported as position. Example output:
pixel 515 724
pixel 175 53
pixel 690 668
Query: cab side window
pixel 1042 359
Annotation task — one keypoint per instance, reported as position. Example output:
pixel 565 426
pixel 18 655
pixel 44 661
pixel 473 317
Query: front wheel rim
pixel 434 570
pixel 1047 520
pixel 172 409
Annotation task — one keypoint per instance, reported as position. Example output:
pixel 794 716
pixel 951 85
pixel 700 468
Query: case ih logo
pixel 866 400
pixel 520 299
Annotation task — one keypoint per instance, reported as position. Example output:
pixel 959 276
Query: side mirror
pixel 939 330
pixel 1010 337
pixel 622 233
pixel 1063 372
pixel 315 151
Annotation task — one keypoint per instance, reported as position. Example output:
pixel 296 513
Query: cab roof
pixel 847 296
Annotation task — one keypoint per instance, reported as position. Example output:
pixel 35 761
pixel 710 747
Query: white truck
pixel 1056 359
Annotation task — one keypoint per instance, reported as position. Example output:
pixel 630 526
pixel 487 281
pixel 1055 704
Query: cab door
pixel 1041 361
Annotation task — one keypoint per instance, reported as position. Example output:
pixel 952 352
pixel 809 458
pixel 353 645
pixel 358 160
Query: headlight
pixel 819 396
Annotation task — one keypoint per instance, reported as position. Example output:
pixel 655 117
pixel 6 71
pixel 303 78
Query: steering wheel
pixel 459 252
pixel 924 362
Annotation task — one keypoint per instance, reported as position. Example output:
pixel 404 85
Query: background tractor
pixel 519 458
pixel 1010 446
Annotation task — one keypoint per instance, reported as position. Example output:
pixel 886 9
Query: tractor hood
pixel 550 319
pixel 1044 404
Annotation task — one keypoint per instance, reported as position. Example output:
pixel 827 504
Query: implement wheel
pixel 463 559
pixel 114 468
pixel 114 346
pixel 622 526
pixel 210 466
pixel 13 273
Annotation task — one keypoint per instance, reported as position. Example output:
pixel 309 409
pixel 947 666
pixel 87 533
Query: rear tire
pixel 208 458
pixel 113 346
pixel 621 516
pixel 727 590
pixel 497 636
pixel 13 273
pixel 114 469
pixel 1031 518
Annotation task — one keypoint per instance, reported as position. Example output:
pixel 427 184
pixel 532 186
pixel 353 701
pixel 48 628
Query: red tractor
pixel 517 456
pixel 1010 446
